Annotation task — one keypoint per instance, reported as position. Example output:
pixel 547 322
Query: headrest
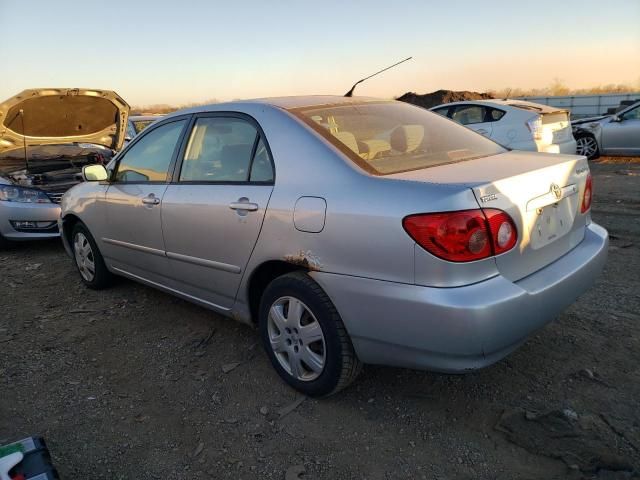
pixel 407 138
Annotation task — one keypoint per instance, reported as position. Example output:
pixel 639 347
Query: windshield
pixel 392 137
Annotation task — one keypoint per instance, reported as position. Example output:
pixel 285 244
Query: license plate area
pixel 551 223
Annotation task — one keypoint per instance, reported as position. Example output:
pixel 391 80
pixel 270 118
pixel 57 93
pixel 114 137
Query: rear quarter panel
pixel 363 234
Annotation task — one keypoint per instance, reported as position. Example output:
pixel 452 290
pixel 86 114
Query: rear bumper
pixel 568 147
pixel 461 328
pixel 39 212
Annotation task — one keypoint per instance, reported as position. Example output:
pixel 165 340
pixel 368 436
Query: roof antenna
pixel 350 92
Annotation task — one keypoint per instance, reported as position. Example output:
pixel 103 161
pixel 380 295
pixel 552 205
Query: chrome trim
pixel 133 246
pixel 204 263
pixel 551 197
pixel 250 207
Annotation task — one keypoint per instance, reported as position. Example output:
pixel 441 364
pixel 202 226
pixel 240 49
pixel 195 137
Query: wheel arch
pixel 69 221
pixel 260 277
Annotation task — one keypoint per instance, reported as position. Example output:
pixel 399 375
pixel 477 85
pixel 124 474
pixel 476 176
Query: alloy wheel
pixel 586 146
pixel 296 338
pixel 84 257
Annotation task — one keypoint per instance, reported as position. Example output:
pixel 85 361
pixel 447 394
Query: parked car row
pixel 348 230
pixel 521 125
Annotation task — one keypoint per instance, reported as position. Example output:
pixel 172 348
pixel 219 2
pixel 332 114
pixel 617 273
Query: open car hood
pixel 46 116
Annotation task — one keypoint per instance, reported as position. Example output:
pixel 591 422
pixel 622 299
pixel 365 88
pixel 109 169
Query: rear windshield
pixel 392 137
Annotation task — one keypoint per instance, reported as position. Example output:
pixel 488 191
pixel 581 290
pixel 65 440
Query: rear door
pixel 623 137
pixel 133 239
pixel 213 213
pixel 473 117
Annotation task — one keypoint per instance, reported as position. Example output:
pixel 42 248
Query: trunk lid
pixel 541 192
pixel 46 116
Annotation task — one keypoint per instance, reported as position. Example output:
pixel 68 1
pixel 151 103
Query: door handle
pixel 151 200
pixel 245 206
pixel 482 131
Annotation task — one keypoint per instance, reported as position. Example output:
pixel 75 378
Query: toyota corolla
pixel 348 230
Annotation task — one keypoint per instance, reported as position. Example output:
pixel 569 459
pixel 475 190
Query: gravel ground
pixel 131 383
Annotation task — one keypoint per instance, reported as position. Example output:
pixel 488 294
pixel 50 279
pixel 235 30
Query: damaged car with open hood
pixel 46 137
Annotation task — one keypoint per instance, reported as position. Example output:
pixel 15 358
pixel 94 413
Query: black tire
pixel 587 138
pixel 4 243
pixel 102 278
pixel 341 365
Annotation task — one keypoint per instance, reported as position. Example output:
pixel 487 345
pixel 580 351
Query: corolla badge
pixel 556 190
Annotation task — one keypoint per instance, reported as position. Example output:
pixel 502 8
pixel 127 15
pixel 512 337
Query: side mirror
pixel 94 173
pixel 127 138
pixel 616 118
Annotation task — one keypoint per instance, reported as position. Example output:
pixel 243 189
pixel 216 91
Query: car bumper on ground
pixel 462 328
pixel 28 221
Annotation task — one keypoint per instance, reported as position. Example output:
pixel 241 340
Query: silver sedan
pixel 348 230
pixel 617 134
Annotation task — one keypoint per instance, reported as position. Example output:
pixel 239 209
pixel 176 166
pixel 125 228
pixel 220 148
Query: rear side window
pixel 261 169
pixel 392 137
pixel 441 111
pixel 493 114
pixel 149 158
pixel 222 149
pixel 468 114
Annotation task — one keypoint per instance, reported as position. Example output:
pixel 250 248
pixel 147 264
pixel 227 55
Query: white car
pixel 515 124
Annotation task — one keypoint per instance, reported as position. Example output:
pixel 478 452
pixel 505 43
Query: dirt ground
pixel 131 383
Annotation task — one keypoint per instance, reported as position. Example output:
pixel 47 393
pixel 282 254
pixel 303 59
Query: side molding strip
pixel 225 267
pixel 204 263
pixel 133 246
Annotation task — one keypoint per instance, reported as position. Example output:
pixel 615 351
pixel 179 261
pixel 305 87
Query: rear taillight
pixel 503 231
pixel 587 195
pixel 463 236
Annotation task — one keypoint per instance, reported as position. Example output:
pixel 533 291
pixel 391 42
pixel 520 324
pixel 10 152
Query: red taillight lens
pixel 587 195
pixel 503 230
pixel 463 236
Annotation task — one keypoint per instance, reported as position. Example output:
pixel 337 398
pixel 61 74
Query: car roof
pixel 285 103
pixel 293 102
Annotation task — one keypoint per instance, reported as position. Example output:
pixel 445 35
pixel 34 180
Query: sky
pixel 178 52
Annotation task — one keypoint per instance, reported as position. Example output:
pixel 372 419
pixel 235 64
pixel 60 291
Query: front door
pixel 212 215
pixel 133 240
